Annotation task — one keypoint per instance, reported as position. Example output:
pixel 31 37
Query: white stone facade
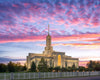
pixel 52 57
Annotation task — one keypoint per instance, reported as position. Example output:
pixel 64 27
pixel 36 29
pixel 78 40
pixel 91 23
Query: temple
pixel 52 57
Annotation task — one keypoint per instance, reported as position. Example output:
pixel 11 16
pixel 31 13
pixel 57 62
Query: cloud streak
pixel 8 59
pixel 18 18
pixel 72 22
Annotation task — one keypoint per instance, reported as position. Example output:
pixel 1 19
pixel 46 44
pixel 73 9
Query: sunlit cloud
pixel 13 59
pixel 74 23
pixel 83 63
pixel 87 58
pixel 77 45
pixel 84 60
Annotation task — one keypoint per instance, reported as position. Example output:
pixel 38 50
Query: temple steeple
pixel 48 39
pixel 48 29
pixel 48 48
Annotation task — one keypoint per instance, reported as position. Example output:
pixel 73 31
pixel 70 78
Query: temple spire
pixel 48 29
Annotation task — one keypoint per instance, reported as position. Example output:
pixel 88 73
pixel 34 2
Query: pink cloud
pixel 23 39
pixel 84 60
pixel 61 21
pixel 26 4
pixel 15 5
pixel 38 13
pixel 83 63
pixel 75 21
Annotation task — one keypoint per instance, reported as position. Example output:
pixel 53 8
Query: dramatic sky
pixel 74 27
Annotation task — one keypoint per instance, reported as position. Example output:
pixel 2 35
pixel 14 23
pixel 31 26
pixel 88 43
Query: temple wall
pixel 62 61
pixel 28 62
pixel 57 58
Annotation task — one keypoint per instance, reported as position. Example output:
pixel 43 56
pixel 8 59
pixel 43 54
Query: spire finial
pixel 48 29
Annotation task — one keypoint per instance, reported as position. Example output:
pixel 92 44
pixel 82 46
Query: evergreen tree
pixel 66 64
pixel 63 69
pixel 50 69
pixel 18 67
pixel 3 67
pixel 24 68
pixel 73 66
pixel 93 65
pixel 33 67
pixel 69 69
pixel 50 62
pixel 97 67
pixel 42 67
pixel 57 68
pixel 81 68
pixel 90 64
pixel 11 67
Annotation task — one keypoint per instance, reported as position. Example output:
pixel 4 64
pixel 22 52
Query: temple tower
pixel 48 48
pixel 48 40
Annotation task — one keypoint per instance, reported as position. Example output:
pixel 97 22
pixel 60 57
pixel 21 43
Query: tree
pixel 73 67
pixel 51 63
pixel 97 67
pixel 69 69
pixel 66 64
pixel 42 66
pixel 57 68
pixel 33 67
pixel 3 67
pixel 63 69
pixel 91 64
pixel 11 67
pixel 81 68
pixel 50 69
pixel 24 68
pixel 18 67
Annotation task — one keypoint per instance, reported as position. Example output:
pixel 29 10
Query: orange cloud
pixel 80 37
pixel 78 45
pixel 83 63
pixel 84 60
pixel 87 58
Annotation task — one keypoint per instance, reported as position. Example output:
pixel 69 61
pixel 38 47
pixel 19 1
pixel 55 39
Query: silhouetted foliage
pixel 93 65
pixel 3 67
pixel 33 67
pixel 57 69
pixel 69 69
pixel 66 64
pixel 63 69
pixel 24 68
pixel 18 67
pixel 50 69
pixel 11 67
pixel 81 68
pixel 97 67
pixel 74 68
pixel 42 66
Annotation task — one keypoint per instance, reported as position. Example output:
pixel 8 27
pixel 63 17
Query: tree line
pixel 12 67
pixel 43 67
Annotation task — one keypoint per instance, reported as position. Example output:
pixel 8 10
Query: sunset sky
pixel 74 27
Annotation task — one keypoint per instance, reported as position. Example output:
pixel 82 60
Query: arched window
pixel 59 60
